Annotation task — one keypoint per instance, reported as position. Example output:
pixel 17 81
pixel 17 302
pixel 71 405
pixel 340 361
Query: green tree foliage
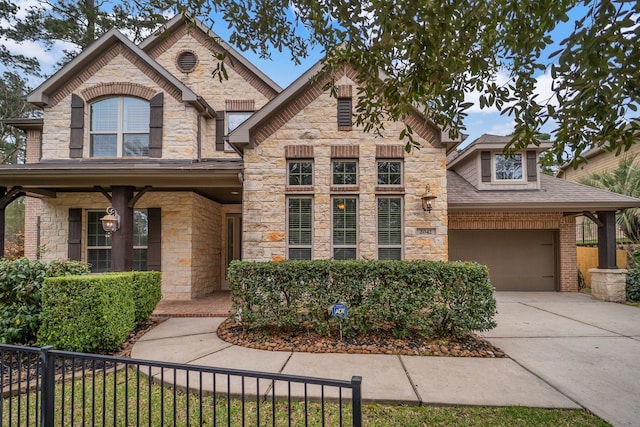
pixel 432 52
pixel 13 89
pixel 625 179
pixel 77 23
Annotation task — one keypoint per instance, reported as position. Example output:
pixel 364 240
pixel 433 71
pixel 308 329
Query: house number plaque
pixel 426 231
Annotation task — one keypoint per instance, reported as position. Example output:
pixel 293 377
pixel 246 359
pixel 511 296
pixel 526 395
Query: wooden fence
pixel 588 258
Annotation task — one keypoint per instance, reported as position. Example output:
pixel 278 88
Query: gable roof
pixel 554 194
pixel 182 20
pixel 243 136
pixel 41 95
pixel 488 142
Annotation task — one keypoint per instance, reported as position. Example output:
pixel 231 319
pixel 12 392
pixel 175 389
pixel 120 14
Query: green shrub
pixel 408 297
pixel 87 313
pixel 21 281
pixel 633 285
pixel 147 292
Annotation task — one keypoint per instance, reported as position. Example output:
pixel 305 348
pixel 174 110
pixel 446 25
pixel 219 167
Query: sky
pixel 284 71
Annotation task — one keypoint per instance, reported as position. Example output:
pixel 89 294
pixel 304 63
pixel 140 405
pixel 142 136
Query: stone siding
pixel 265 190
pixel 191 228
pixel 529 221
pixel 200 80
pixel 179 139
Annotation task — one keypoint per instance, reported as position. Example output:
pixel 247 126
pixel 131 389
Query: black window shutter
pixel 156 106
pixel 220 131
pixel 154 240
pixel 532 166
pixel 76 138
pixel 344 113
pixel 75 234
pixel 485 166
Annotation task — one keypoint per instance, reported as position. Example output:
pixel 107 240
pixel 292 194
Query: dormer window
pixel 120 127
pixel 508 167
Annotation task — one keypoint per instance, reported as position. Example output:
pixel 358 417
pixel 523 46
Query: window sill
pixel 390 189
pixel 299 189
pixel 345 188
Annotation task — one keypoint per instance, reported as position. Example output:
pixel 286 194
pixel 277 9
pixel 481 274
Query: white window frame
pixel 494 169
pixel 357 217
pixel 357 172
pixel 289 245
pixel 290 161
pixel 120 131
pixel 399 246
pixel 400 161
pixel 231 125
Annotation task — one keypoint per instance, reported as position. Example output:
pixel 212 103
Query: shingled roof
pixel 554 194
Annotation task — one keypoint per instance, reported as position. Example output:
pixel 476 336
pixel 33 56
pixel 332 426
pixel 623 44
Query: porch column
pixel 3 191
pixel 122 240
pixel 607 240
pixel 608 282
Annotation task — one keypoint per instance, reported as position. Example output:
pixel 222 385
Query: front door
pixel 233 244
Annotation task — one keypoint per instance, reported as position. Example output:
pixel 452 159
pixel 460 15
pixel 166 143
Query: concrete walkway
pixel 566 351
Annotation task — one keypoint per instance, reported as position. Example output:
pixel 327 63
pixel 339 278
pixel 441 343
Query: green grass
pixel 121 410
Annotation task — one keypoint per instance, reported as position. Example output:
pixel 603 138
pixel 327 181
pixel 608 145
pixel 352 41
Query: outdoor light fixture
pixel 426 198
pixel 111 221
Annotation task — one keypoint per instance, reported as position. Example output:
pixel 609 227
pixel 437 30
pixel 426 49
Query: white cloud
pixel 543 89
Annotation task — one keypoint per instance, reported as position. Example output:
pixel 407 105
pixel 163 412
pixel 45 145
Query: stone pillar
pixel 608 284
pixel 122 240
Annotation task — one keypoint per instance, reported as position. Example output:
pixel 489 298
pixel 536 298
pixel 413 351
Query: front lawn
pixel 122 400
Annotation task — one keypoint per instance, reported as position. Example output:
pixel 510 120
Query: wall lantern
pixel 111 221
pixel 426 198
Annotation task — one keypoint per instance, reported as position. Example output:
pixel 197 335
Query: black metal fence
pixel 46 387
pixel 587 233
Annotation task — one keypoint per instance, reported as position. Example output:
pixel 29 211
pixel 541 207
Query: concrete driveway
pixel 584 348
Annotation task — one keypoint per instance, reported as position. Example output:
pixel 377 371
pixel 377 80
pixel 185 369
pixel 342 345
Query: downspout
pixel 205 112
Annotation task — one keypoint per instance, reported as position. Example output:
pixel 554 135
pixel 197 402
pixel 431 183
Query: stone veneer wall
pixel 191 228
pixel 32 206
pixel 531 221
pixel 265 191
pixel 179 120
pixel 214 91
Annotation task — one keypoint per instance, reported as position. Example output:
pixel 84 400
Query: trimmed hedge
pixel 422 298
pixel 96 312
pixel 21 282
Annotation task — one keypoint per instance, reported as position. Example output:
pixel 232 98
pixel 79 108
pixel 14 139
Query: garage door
pixel 518 260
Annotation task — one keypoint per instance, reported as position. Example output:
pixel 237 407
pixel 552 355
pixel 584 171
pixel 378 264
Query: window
pixel 508 167
pixel 344 172
pixel 99 245
pixel 345 227
pixel 390 228
pixel 120 127
pixel 389 172
pixel 300 230
pixel 235 119
pixel 300 172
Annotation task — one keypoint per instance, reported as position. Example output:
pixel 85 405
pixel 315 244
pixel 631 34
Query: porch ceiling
pixel 219 181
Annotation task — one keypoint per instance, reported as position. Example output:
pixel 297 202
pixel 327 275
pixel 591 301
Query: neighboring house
pixel 596 160
pixel 202 172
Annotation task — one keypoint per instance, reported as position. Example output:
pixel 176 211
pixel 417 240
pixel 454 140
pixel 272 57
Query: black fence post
pixel 356 397
pixel 47 388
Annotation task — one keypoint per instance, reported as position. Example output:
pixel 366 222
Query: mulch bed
pixel 382 343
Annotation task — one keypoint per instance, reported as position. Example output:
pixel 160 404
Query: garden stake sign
pixel 340 311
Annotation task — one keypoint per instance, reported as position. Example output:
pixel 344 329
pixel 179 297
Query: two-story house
pixel 202 172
